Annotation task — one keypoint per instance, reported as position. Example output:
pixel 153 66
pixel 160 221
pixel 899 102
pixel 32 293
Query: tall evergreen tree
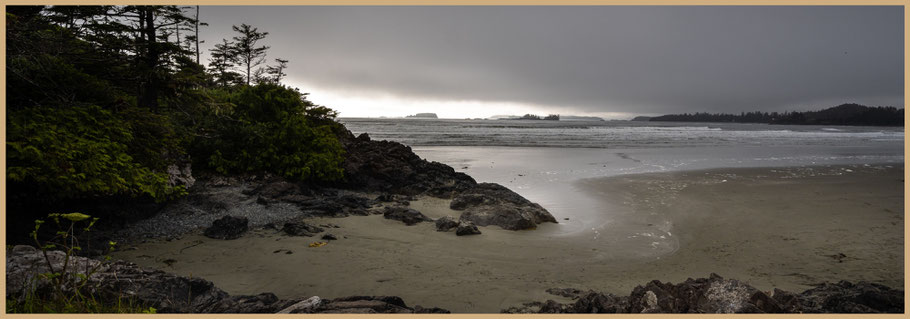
pixel 245 50
pixel 221 62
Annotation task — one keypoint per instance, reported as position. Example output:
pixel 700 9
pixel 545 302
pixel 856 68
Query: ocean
pixel 546 160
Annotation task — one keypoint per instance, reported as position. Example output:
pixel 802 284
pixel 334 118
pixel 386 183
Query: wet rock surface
pixel 409 216
pixel 493 204
pixel 446 223
pixel 227 227
pixel 718 295
pixel 466 228
pixel 169 293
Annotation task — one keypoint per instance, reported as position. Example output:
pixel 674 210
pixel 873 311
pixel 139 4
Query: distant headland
pixel 844 114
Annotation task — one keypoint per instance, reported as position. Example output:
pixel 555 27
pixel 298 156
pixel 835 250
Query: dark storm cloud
pixel 593 59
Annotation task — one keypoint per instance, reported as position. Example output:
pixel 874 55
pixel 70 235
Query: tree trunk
pixel 197 34
pixel 149 97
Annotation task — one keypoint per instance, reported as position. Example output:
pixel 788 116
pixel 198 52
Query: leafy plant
pixel 80 151
pixel 71 290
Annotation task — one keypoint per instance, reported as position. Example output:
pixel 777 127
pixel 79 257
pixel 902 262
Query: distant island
pixel 844 114
pixel 642 118
pixel 551 117
pixel 423 116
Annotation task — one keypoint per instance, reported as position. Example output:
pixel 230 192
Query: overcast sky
pixel 610 61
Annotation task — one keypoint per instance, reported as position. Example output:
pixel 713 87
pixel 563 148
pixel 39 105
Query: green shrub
pixel 80 151
pixel 273 128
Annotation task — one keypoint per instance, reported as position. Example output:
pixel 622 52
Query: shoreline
pixel 499 269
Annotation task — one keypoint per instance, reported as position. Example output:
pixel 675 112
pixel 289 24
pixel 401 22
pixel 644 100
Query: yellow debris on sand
pixel 318 244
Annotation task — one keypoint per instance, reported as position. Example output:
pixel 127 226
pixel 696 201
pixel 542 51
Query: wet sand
pixel 771 227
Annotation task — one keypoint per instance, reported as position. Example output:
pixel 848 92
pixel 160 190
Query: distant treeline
pixel 844 114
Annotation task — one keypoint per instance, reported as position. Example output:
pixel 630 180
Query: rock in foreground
pixel 409 216
pixel 228 227
pixel 718 295
pixel 169 293
pixel 493 204
pixel 446 223
pixel 466 228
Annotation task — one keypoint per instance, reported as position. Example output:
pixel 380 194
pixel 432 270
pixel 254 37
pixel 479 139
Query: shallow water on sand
pixel 552 177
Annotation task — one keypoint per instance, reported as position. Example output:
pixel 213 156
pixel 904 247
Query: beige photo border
pixel 905 4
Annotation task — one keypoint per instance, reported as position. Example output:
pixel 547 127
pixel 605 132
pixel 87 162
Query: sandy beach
pixel 782 228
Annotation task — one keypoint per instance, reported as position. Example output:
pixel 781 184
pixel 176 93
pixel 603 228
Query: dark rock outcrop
pixel 466 228
pixel 718 295
pixel 409 216
pixel 299 228
pixel 227 227
pixel 493 204
pixel 846 297
pixel 703 295
pixel 169 293
pixel 392 167
pixel 446 223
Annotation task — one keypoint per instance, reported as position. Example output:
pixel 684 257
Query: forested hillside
pixel 103 101
pixel 844 114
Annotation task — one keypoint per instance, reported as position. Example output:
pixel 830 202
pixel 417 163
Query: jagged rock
pixel 595 302
pixel 181 175
pixel 493 204
pixel 353 201
pixel 718 295
pixel 703 295
pixel 446 223
pixel 846 297
pixel 788 301
pixel 362 304
pixel 419 309
pixel 392 198
pixel 303 306
pixel 301 229
pixel 392 167
pixel 409 216
pixel 466 228
pixel 227 227
pixel 322 207
pixel 169 293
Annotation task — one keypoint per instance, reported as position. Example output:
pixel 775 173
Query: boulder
pixel 409 216
pixel 329 237
pixel 392 167
pixel 846 297
pixel 446 223
pixel 493 204
pixel 300 228
pixel 718 295
pixel 704 295
pixel 228 227
pixel 466 228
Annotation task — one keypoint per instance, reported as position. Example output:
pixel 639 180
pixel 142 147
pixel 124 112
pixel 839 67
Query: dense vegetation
pixel 844 114
pixel 102 100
